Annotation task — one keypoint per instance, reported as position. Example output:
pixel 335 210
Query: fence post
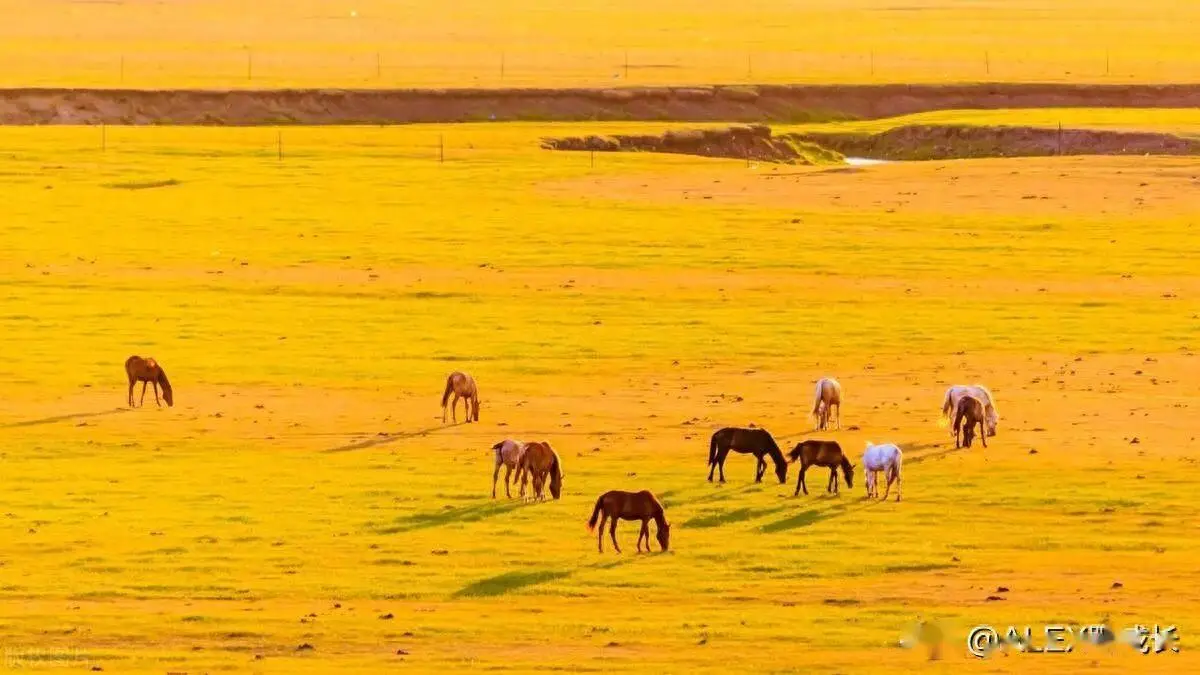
pixel 103 137
pixel 122 69
pixel 987 63
pixel 1060 139
pixel 593 154
pixel 626 64
pixel 249 64
pixel 279 143
pixel 378 66
pixel 441 148
pixel 502 55
pixel 872 57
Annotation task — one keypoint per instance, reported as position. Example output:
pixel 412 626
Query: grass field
pixel 273 43
pixel 303 490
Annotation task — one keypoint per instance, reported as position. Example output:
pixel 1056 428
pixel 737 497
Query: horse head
pixel 781 472
pixel 664 535
pixel 848 472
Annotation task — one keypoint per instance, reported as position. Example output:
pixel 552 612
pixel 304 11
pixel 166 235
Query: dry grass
pixel 273 43
pixel 303 489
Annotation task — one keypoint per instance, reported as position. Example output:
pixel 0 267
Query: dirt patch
pixel 750 143
pixel 763 103
pixel 925 142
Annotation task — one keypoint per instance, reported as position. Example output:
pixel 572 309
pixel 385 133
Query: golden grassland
pixel 1180 121
pixel 301 43
pixel 303 490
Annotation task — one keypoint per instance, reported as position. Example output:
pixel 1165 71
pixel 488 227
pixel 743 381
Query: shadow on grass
pixel 505 583
pixel 730 517
pixel 64 418
pixel 814 516
pixel 464 514
pixel 390 438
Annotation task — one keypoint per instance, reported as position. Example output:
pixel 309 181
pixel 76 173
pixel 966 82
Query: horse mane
pixel 162 379
pixel 846 466
pixel 774 451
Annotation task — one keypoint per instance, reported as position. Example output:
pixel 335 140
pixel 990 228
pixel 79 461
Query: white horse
pixel 885 457
pixel 953 394
pixel 508 453
pixel 829 394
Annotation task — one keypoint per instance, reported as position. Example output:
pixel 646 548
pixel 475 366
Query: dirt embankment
pixel 750 143
pixel 915 142
pixel 921 142
pixel 764 103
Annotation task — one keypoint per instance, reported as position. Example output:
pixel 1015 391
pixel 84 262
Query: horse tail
pixel 899 462
pixel 595 513
pixel 449 388
pixel 712 449
pixel 816 409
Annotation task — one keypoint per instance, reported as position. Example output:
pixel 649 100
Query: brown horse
pixel 147 371
pixel 757 442
pixel 538 461
pixel 822 453
pixel 462 386
pixel 621 505
pixel 829 394
pixel 971 411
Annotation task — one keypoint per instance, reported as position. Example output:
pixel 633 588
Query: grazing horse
pixel 147 371
pixel 757 442
pixel 887 458
pixel 538 461
pixel 621 505
pixel 822 453
pixel 508 453
pixel 969 412
pixel 955 393
pixel 462 386
pixel 829 394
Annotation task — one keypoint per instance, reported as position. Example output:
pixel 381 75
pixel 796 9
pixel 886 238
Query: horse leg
pixel 143 393
pixel 507 473
pixel 131 383
pixel 645 534
pixel 612 532
pixel 832 486
pixel 839 417
pixel 983 434
pixel 156 401
pixel 800 481
pixel 496 477
pixel 721 455
pixel 760 469
pixel 600 531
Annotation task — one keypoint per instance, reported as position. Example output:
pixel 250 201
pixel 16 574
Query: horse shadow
pixel 64 418
pixel 811 517
pixel 390 438
pixel 464 514
pixel 508 582
pixel 730 517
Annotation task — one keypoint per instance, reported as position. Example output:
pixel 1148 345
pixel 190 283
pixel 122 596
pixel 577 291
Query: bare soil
pixel 763 103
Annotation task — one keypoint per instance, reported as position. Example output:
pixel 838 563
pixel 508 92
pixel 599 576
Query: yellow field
pixel 303 490
pixel 382 43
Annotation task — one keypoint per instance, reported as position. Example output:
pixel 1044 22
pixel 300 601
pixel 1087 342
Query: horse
pixel 147 371
pixel 538 461
pixel 822 453
pixel 462 386
pixel 829 394
pixel 508 453
pixel 621 505
pixel 971 411
pixel 887 458
pixel 955 393
pixel 757 442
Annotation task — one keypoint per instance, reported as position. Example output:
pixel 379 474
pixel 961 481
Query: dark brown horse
pixel 462 386
pixel 539 461
pixel 757 442
pixel 620 505
pixel 147 371
pixel 970 412
pixel 822 453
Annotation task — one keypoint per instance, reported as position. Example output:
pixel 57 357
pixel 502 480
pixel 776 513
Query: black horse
pixel 755 442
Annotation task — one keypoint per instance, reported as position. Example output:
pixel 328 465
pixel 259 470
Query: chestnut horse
pixel 147 371
pixel 970 411
pixel 462 386
pixel 955 393
pixel 829 394
pixel 538 461
pixel 822 453
pixel 620 505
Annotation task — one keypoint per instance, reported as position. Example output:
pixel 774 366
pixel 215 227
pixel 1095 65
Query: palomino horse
pixel 147 371
pixel 462 386
pixel 538 461
pixel 755 442
pixel 829 394
pixel 887 458
pixel 822 453
pixel 955 393
pixel 969 412
pixel 621 505
pixel 508 453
